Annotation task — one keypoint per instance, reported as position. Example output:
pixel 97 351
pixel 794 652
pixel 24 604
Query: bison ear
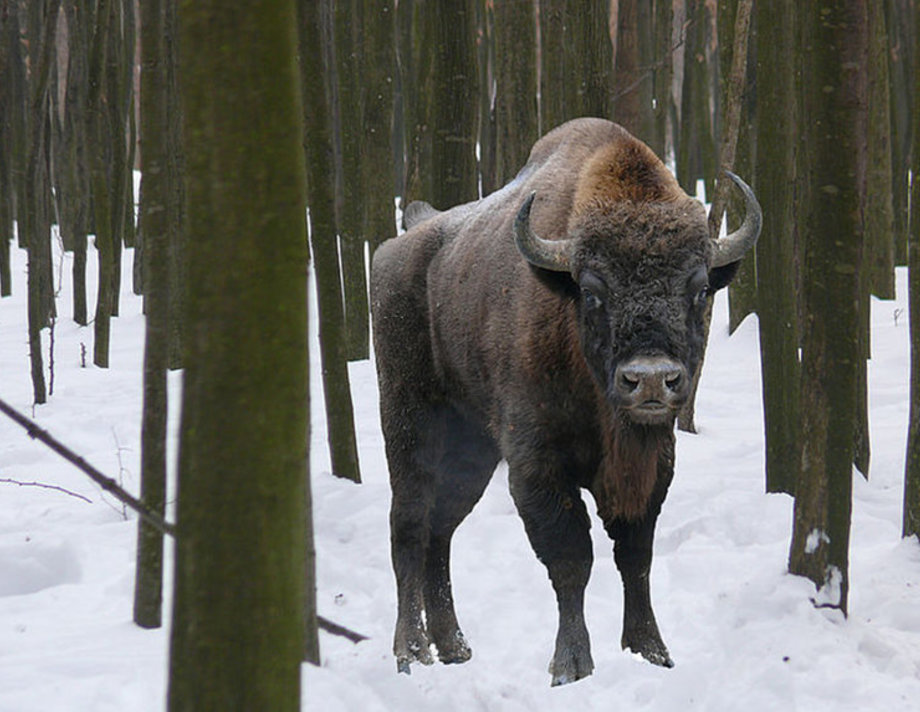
pixel 721 276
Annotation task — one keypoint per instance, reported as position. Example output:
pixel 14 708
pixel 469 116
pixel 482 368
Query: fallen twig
pixel 336 629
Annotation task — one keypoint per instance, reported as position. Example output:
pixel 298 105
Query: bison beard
pixel 628 473
pixel 495 333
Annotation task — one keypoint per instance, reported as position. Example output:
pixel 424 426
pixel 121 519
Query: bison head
pixel 644 270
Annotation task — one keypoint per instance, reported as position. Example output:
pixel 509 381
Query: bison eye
pixel 701 296
pixel 592 301
pixel 592 290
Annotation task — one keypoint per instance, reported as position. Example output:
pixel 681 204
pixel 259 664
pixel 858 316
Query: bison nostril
pixel 629 381
pixel 673 380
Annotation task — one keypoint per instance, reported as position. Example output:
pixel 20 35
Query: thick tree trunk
pixel 237 634
pixel 454 110
pixel 516 87
pixel 834 37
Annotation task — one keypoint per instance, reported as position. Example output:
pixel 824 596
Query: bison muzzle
pixel 555 324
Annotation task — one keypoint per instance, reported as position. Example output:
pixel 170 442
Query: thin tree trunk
pixel 148 583
pixel 732 103
pixel 662 75
pixel 902 43
pixel 336 384
pixel 911 518
pixel 7 20
pixel 317 145
pixel 486 58
pixel 776 254
pixel 696 148
pixel 880 228
pixel 100 177
pixel 351 197
pixel 380 68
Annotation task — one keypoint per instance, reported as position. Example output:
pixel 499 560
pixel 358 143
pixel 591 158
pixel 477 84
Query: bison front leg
pixel 633 556
pixel 557 525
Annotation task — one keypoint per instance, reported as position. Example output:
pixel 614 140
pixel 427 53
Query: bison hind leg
pixel 467 460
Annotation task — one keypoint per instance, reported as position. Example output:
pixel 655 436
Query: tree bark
pixel 776 251
pixel 351 197
pixel 319 148
pixel 696 150
pixel 454 106
pixel 911 518
pixel 237 633
pixel 516 87
pixel 835 44
pixel 148 582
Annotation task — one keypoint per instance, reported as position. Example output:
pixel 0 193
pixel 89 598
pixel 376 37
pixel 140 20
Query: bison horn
pixel 733 246
pixel 554 255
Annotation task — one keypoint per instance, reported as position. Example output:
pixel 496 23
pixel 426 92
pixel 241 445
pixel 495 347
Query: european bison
pixel 555 323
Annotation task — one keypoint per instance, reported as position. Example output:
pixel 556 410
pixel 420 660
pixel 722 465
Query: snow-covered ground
pixel 742 632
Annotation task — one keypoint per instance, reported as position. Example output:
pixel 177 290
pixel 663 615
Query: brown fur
pixel 629 470
pixel 624 170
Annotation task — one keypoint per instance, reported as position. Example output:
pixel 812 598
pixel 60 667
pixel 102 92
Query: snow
pixel 744 633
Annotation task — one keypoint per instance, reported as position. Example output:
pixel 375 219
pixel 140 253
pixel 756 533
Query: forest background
pixel 442 101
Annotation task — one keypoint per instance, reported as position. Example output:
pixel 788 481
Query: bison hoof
pixel 454 650
pixel 654 651
pixel 415 650
pixel 570 666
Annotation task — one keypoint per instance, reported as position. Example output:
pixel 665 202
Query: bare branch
pixel 7 480
pixel 107 483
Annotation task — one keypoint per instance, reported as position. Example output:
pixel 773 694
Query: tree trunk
pixel 696 152
pixel 911 519
pixel 319 152
pixel 589 59
pixel 454 109
pixel 486 58
pixel 100 180
pixel 7 21
pixel 554 48
pixel 75 194
pixel 662 75
pixel 348 119
pixel 416 42
pixel 776 253
pixel 632 103
pixel 148 582
pixel 835 48
pixel 516 87
pixel 237 633
pixel 732 100
pixel 379 221
pixel 880 232
pixel 175 165
pixel 900 53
